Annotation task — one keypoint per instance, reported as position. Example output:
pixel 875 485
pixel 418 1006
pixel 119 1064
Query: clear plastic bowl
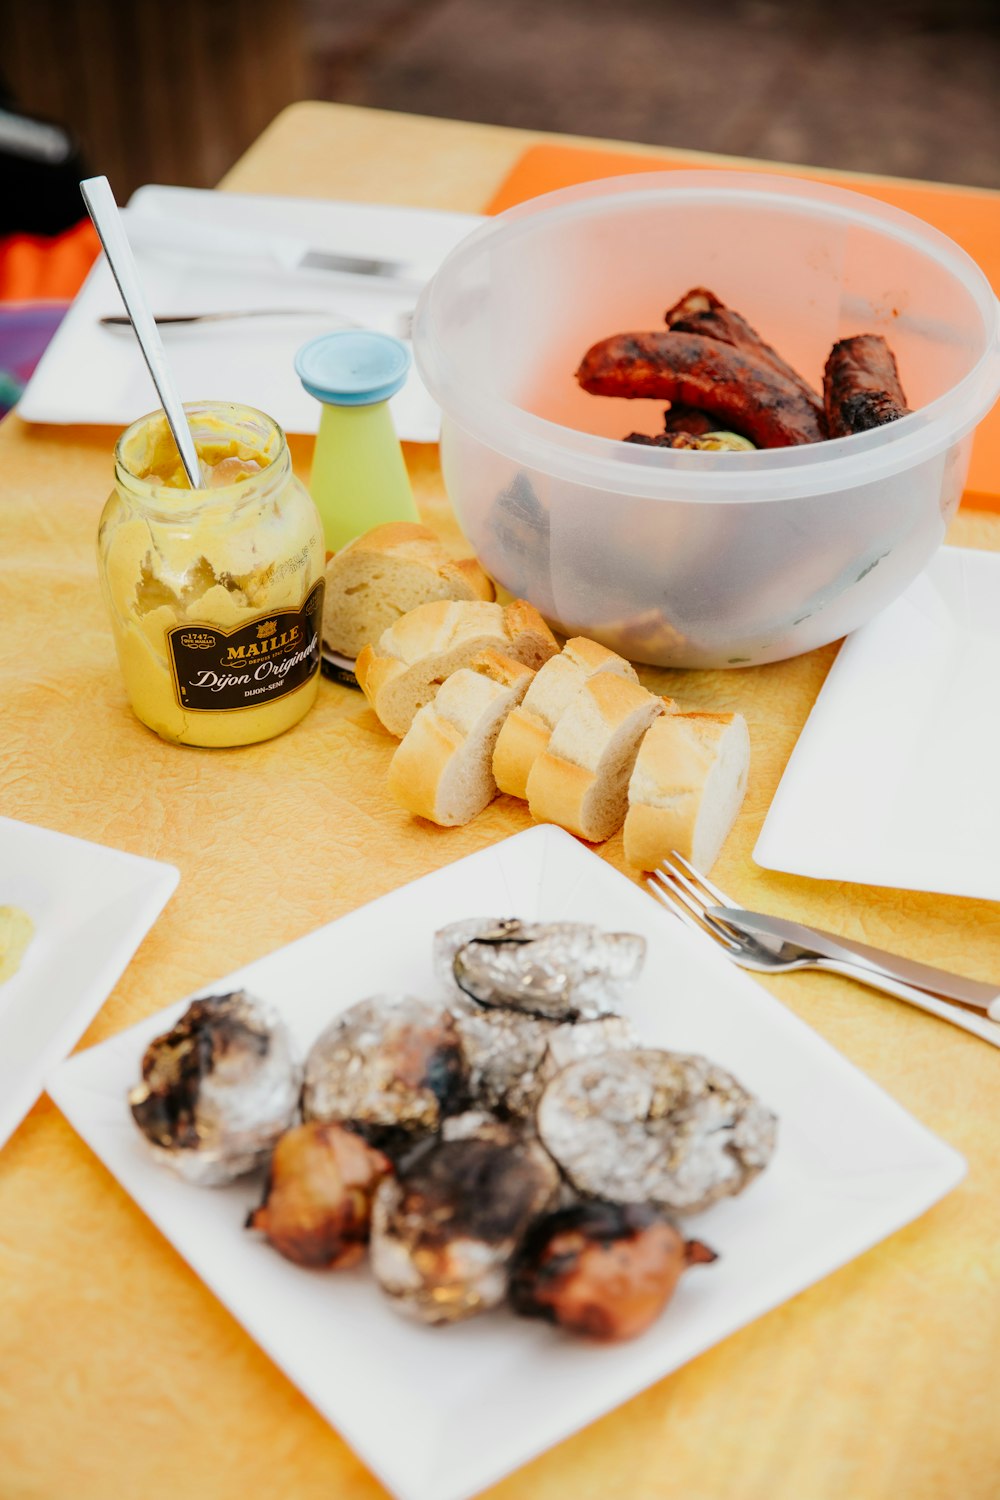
pixel 689 558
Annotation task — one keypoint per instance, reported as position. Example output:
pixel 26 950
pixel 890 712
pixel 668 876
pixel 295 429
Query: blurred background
pixel 173 91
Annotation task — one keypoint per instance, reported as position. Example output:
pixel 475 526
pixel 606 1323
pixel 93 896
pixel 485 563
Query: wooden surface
pixel 120 1375
pixel 154 90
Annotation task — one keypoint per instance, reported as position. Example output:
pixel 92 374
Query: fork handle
pixel 968 1020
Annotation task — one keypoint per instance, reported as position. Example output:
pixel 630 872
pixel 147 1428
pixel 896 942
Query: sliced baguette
pixel 527 730
pixel 687 787
pixel 423 648
pixel 386 573
pixel 442 770
pixel 580 780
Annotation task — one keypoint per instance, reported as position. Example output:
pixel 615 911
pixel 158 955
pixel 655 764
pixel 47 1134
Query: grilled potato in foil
pixel 218 1089
pixel 646 1126
pixel 555 971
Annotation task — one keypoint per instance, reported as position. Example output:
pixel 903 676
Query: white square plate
pixel 91 907
pixel 894 778
pixel 247 360
pixel 440 1413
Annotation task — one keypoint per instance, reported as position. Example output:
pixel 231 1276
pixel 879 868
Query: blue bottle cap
pixel 354 367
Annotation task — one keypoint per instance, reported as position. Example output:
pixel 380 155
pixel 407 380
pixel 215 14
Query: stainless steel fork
pixel 688 894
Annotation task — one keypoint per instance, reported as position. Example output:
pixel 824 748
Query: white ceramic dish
pixel 91 907
pixel 439 1414
pixel 894 778
pixel 247 360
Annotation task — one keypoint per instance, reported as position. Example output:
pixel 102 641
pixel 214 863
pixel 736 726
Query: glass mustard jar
pixel 215 594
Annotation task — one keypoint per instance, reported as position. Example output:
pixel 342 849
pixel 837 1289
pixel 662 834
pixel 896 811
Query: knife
pixel 971 992
pixel 149 231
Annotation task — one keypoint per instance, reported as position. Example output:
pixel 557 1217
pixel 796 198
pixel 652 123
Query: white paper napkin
pixel 894 779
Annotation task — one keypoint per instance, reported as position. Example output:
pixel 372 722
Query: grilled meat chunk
pixel 738 388
pixel 317 1205
pixel 700 311
pixel 606 1270
pixel 688 420
pixel 861 388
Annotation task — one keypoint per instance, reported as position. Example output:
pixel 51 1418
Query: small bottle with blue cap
pixel 359 478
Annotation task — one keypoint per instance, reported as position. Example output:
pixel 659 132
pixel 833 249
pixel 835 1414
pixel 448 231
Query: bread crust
pixel 669 781
pixel 441 731
pixel 527 731
pixel 523 739
pixel 557 792
pixel 568 781
pixel 413 657
pixel 598 709
pixel 398 545
pixel 419 763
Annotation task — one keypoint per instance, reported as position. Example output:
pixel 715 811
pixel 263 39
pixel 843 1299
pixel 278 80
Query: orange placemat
pixel 42 268
pixel 970 216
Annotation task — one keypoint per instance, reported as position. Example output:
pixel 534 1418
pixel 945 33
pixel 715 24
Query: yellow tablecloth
pixel 120 1375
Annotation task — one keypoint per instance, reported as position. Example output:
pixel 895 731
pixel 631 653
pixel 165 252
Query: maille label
pixel 225 669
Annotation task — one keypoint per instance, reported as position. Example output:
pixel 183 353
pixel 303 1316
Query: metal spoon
pixel 103 209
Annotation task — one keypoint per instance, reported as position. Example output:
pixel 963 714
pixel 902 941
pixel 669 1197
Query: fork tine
pixel 669 898
pixel 671 893
pixel 668 871
pixel 718 898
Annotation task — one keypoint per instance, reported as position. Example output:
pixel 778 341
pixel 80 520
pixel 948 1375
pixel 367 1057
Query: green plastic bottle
pixel 359 478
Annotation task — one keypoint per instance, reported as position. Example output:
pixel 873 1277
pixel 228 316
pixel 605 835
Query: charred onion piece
pixel 698 300
pixel 445 1231
pixel 739 389
pixel 390 1066
pixel 709 442
pixel 606 1270
pixel 317 1204
pixel 700 311
pixel 663 440
pixel 861 388
pixel 217 1089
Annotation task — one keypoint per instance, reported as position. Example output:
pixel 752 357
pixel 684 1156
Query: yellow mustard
pixel 216 594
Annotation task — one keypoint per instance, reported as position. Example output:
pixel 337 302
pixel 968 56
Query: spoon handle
pixel 103 209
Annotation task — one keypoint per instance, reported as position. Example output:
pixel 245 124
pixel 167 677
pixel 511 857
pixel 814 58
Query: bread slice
pixel 527 729
pixel 423 648
pixel 442 770
pixel 386 573
pixel 687 787
pixel 580 780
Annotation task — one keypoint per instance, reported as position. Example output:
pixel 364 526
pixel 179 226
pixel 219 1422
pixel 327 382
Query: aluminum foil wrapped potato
pixel 606 1270
pixel 555 971
pixel 317 1203
pixel 511 1056
pixel 390 1066
pixel 646 1126
pixel 218 1089
pixel 445 1229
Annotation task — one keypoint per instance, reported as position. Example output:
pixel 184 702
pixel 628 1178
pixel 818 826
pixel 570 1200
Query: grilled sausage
pixel 701 311
pixel 739 389
pixel 861 388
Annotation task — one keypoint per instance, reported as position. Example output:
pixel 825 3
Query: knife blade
pixel 972 992
pixel 148 231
